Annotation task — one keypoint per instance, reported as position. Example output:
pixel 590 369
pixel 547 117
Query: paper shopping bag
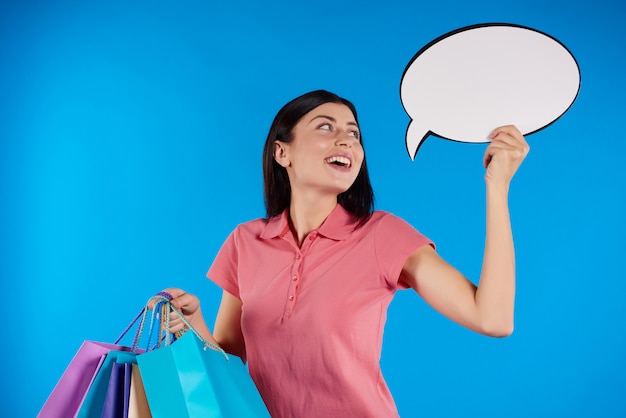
pixel 137 401
pixel 113 406
pixel 118 388
pixel 98 380
pixel 128 370
pixel 187 379
pixel 94 403
pixel 69 392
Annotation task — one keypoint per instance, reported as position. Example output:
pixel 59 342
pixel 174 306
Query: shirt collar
pixel 337 226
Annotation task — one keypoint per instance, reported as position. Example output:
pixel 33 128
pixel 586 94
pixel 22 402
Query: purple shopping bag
pixel 80 390
pixel 114 399
pixel 69 392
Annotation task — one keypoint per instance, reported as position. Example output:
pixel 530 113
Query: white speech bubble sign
pixel 464 84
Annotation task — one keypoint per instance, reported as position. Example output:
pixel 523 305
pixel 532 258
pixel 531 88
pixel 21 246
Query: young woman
pixel 306 290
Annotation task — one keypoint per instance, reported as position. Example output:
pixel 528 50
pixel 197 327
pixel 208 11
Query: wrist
pixel 497 186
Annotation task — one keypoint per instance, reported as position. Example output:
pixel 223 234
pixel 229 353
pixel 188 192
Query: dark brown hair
pixel 358 199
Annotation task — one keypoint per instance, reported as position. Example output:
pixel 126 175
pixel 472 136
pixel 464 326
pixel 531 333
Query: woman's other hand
pixel 505 154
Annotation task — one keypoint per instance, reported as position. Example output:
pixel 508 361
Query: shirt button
pixel 311 237
pixel 291 297
pixel 294 278
pixel 298 256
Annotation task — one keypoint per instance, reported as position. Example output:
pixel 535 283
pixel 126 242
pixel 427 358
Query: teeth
pixel 341 160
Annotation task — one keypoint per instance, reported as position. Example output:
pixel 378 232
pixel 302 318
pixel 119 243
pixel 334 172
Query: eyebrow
pixel 330 118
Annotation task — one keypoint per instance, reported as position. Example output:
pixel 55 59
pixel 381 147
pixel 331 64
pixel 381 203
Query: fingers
pixel 497 147
pixel 508 138
pixel 176 324
pixel 181 300
pixel 509 147
pixel 186 303
pixel 509 135
pixel 507 131
pixel 174 291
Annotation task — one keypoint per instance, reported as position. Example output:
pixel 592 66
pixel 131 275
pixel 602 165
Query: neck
pixel 307 213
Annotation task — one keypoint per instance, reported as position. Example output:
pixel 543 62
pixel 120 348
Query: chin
pixel 340 190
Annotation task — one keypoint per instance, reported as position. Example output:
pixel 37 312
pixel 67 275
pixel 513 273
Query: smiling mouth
pixel 339 161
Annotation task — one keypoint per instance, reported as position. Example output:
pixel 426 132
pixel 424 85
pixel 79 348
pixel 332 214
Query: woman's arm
pixel 488 308
pixel 227 329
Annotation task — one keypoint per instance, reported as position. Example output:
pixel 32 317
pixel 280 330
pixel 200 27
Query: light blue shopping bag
pixel 189 378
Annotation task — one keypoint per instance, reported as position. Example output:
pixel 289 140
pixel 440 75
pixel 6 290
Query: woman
pixel 305 291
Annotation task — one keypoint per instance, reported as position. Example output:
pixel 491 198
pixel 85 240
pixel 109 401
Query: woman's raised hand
pixel 504 155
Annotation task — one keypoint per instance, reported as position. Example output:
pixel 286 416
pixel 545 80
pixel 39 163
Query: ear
pixel 280 154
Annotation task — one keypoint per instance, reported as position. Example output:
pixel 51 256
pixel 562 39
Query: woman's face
pixel 325 155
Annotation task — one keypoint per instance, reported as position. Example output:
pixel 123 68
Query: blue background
pixel 130 146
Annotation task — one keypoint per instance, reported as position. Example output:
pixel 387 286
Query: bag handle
pixel 163 308
pixel 141 315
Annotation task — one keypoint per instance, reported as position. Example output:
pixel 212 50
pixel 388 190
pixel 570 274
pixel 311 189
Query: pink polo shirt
pixel 313 316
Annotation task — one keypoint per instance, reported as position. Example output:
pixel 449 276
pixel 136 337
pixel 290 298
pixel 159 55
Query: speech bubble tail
pixel 415 137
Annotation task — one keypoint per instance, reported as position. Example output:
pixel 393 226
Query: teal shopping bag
pixel 94 401
pixel 118 391
pixel 188 378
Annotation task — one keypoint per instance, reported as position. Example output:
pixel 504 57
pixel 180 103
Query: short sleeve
pixel 396 240
pixel 223 271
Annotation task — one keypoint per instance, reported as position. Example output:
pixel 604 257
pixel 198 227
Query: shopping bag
pixel 137 401
pixel 108 395
pixel 187 379
pixel 128 369
pixel 190 377
pixel 69 392
pixel 105 386
pixel 118 388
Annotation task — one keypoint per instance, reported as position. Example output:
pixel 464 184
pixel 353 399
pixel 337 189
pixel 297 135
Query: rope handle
pixel 162 309
pixel 141 315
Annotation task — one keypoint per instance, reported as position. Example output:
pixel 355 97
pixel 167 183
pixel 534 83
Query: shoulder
pixel 254 228
pixel 253 225
pixel 245 231
pixel 388 227
pixel 383 219
pixel 385 225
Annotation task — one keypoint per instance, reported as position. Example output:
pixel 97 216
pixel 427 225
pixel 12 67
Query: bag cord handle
pixel 164 307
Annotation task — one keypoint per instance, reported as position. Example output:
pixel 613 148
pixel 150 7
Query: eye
pixel 355 134
pixel 325 126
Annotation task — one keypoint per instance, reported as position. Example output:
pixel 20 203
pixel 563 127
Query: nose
pixel 344 139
